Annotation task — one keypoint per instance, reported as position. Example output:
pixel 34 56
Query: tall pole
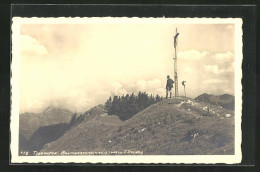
pixel 175 64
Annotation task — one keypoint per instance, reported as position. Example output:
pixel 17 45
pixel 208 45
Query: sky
pixel 78 66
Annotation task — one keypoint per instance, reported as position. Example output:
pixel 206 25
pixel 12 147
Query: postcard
pixel 126 90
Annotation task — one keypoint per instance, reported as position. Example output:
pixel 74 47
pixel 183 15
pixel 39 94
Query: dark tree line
pixel 128 105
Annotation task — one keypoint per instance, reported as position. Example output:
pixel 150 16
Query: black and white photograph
pixel 126 90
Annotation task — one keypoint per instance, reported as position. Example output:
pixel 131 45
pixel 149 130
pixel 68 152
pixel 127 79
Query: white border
pixel 204 159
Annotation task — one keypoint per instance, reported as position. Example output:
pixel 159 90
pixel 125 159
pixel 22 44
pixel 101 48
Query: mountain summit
pixel 49 109
pixel 170 127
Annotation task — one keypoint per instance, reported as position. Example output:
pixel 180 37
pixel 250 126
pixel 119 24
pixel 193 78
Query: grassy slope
pixel 168 127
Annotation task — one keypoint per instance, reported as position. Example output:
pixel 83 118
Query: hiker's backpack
pixel 171 83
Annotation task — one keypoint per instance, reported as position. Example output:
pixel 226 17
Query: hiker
pixel 169 86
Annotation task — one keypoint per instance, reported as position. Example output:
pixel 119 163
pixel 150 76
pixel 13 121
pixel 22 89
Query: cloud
pixel 214 81
pixel 228 69
pixel 149 86
pixel 153 86
pixel 188 69
pixel 212 68
pixel 224 56
pixel 117 89
pixel 31 46
pixel 141 85
pixel 222 63
pixel 192 54
pixel 89 62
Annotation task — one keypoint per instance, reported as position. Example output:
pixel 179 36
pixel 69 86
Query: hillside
pixel 170 127
pixel 30 122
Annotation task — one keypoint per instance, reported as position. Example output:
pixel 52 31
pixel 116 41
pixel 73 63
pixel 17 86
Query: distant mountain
pixel 170 127
pixel 49 133
pixel 30 122
pixel 226 101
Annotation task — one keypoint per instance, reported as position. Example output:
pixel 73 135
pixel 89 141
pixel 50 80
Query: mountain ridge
pixel 226 101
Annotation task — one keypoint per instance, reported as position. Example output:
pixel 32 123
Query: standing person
pixel 169 86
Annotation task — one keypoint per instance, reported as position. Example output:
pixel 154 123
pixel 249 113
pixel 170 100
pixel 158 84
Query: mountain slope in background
pixel 45 135
pixel 30 122
pixel 52 132
pixel 225 100
pixel 170 127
